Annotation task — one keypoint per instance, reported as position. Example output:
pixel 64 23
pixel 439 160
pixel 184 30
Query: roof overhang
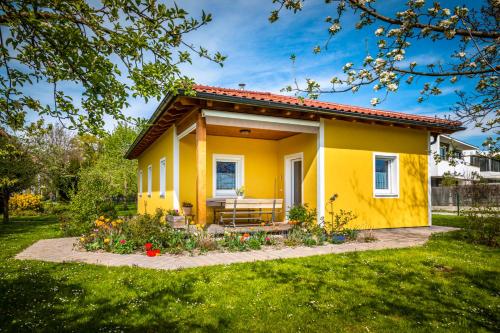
pixel 209 97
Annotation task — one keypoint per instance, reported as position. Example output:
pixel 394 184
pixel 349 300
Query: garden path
pixel 63 250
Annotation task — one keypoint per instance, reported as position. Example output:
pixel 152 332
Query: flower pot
pixel 187 210
pixel 176 222
pixel 338 239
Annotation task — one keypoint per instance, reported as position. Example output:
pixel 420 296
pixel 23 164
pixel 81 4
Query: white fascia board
pixel 225 118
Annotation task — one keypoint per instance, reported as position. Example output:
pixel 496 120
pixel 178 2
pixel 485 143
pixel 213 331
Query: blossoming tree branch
pixel 473 32
pixel 105 50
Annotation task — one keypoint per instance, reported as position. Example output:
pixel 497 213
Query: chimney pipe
pixel 242 86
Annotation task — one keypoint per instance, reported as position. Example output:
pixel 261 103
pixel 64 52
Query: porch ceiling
pixel 255 133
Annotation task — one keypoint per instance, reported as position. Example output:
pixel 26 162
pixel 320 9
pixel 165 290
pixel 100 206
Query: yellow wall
pixel 162 147
pixel 260 165
pixel 306 144
pixel 349 172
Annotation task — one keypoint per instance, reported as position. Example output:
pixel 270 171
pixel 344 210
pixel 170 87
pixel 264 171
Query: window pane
pixel 381 174
pixel 226 175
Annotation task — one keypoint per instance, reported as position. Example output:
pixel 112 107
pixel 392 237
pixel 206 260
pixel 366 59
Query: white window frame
pixel 150 180
pixel 140 183
pixel 393 177
pixel 240 174
pixel 163 178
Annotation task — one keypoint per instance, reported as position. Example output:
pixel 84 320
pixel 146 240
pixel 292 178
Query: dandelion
pixel 82 239
pixel 106 240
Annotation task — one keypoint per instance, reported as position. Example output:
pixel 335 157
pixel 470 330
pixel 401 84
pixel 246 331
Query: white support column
pixel 176 169
pixel 430 159
pixel 321 170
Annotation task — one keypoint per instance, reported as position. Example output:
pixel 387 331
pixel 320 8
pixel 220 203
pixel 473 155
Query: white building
pixel 470 162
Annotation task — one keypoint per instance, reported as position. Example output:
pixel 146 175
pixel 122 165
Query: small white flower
pixel 379 31
pixel 392 87
pixel 355 88
pixel 399 57
pixel 374 101
pixel 368 59
pixel 334 28
pixel 446 11
pixel 461 54
pixel 347 66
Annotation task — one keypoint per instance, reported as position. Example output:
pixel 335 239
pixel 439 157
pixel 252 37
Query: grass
pixel 447 285
pixel 448 220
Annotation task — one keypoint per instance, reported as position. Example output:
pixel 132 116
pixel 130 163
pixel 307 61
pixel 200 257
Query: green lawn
pixel 448 220
pixel 447 285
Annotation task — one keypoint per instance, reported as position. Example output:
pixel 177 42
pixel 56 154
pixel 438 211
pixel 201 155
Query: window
pixel 140 183
pixel 150 179
pixel 386 175
pixel 163 170
pixel 227 174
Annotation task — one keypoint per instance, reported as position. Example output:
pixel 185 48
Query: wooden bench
pixel 249 210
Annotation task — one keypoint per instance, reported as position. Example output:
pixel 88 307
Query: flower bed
pixel 152 235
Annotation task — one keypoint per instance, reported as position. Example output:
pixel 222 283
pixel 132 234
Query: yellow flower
pixel 119 221
pixel 113 224
pixel 101 217
pixel 106 240
pixel 107 220
pixel 82 239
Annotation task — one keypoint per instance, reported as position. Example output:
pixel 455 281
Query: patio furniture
pixel 250 210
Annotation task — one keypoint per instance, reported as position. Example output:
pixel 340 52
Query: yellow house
pixel 206 146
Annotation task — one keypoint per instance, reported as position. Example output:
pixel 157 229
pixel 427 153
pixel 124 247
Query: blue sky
pixel 258 55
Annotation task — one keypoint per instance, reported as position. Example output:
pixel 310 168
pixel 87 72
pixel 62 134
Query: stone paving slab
pixel 62 250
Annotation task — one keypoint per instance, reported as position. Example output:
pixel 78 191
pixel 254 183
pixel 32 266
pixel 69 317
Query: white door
pixel 293 180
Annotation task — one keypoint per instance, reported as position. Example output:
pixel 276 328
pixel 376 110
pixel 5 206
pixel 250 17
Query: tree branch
pixel 460 32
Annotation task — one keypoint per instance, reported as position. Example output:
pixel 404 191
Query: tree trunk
pixel 5 198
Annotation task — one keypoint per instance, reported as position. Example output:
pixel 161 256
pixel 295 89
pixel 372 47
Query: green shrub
pixel 146 228
pixel 302 215
pixel 482 226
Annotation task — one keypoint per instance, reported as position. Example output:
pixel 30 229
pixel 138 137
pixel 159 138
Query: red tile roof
pixel 275 98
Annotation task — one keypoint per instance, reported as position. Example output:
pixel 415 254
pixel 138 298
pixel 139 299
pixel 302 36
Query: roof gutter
pixel 232 99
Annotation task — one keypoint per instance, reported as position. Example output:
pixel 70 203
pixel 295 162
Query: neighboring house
pixel 468 162
pixel 303 151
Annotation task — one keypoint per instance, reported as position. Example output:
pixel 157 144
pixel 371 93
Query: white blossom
pixel 334 28
pixel 355 88
pixel 374 101
pixel 347 66
pixel 446 11
pixel 461 54
pixel 379 31
pixel 392 86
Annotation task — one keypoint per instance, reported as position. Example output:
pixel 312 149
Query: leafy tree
pixel 108 49
pixel 470 34
pixel 17 170
pixel 58 154
pixel 110 177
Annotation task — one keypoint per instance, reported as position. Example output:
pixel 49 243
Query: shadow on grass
pixel 393 290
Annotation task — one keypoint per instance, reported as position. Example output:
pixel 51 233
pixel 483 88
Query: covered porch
pixel 272 159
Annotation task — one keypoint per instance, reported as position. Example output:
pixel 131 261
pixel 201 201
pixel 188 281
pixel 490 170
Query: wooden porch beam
pixel 201 170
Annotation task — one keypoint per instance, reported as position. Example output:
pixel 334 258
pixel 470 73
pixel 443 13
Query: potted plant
pixel 240 192
pixel 175 219
pixel 187 208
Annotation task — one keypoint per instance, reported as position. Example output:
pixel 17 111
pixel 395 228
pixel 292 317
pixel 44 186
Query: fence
pixel 466 195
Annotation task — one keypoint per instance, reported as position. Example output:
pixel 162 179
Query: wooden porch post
pixel 201 170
